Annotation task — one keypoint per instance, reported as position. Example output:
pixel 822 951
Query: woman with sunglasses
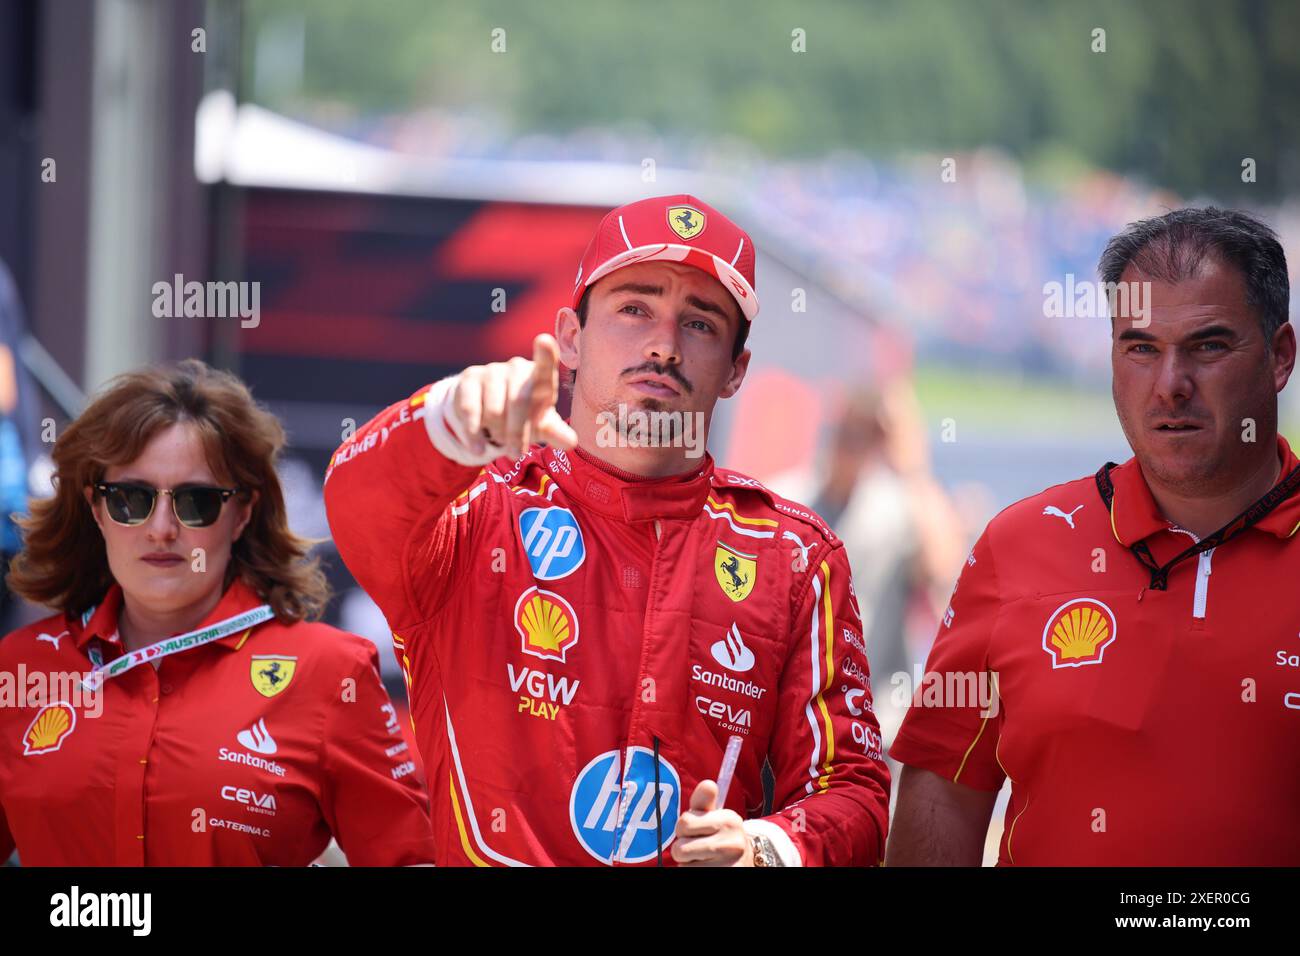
pixel 181 708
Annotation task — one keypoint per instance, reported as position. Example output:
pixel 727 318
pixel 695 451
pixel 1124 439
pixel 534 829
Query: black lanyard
pixel 1252 515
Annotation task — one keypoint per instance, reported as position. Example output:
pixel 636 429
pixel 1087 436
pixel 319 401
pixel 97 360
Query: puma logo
pixel 52 638
pixel 1057 512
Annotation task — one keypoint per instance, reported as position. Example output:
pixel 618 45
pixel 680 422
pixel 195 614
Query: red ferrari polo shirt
pixel 251 750
pixel 1138 725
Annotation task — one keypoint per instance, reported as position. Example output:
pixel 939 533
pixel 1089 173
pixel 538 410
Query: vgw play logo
pixel 612 806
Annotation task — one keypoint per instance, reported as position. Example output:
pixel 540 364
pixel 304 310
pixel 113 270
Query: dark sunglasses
pixel 195 506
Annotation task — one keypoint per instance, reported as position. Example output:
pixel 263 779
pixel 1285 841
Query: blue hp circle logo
pixel 613 813
pixel 552 541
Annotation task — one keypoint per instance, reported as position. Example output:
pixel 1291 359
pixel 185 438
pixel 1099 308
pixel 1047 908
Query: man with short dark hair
pixel 1140 625
pixel 591 630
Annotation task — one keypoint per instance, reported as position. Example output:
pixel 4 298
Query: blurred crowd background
pixel 389 174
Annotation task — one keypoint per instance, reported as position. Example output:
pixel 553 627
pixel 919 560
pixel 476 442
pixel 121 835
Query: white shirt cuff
pixel 786 851
pixel 444 428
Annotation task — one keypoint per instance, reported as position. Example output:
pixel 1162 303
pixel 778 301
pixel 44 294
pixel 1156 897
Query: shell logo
pixel 49 728
pixel 547 624
pixel 1079 632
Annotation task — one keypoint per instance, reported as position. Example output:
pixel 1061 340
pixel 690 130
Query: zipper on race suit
pixel 659 810
pixel 659 813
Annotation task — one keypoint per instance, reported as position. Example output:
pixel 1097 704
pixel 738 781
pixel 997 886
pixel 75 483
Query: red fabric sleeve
pixel 387 492
pixel 957 738
pixel 375 803
pixel 6 838
pixel 832 784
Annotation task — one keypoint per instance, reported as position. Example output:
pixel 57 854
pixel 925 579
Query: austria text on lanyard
pixel 174 645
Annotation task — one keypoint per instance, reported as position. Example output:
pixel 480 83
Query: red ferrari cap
pixel 677 229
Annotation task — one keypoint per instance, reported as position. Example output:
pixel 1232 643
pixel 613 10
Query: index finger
pixel 543 384
pixel 546 356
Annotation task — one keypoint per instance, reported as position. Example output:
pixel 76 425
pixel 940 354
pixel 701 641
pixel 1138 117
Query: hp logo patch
pixel 552 541
pixel 613 814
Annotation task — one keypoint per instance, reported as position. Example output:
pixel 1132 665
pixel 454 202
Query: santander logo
pixel 732 653
pixel 257 738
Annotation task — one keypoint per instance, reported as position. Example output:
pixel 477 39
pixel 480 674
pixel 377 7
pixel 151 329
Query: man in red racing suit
pixel 579 641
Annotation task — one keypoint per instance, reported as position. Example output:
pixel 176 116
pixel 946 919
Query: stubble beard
pixel 647 405
pixel 1216 471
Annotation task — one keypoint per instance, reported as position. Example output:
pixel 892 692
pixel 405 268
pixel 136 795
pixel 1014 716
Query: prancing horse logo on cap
pixel 686 221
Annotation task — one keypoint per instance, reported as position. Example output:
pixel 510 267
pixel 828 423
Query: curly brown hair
pixel 63 563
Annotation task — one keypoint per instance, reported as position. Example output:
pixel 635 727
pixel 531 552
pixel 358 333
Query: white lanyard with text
pixel 174 645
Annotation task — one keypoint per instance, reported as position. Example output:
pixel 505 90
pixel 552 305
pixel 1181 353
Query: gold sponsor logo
pixel 1078 633
pixel 546 623
pixel 49 728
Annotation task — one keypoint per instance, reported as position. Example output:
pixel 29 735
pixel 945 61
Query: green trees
pixel 1184 91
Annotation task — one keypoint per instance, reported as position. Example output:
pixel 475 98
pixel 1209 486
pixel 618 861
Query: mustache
pixel 668 371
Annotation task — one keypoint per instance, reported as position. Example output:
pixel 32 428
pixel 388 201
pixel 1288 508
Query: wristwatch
pixel 764 852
